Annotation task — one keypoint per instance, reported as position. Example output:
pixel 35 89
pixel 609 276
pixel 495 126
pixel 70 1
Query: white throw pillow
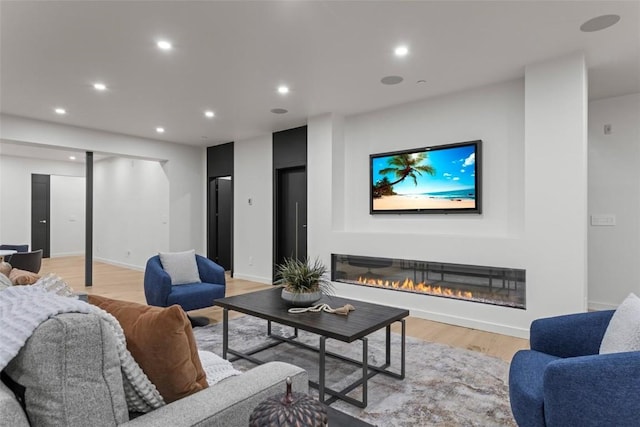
pixel 181 266
pixel 623 332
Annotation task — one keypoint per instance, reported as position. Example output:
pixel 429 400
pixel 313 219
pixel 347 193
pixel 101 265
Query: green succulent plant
pixel 303 276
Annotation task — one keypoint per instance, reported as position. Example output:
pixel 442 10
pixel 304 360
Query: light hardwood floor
pixel 126 284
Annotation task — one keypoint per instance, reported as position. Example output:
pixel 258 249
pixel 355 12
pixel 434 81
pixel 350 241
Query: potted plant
pixel 304 281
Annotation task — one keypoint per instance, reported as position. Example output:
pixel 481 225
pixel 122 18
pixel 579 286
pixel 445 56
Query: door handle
pixel 43 221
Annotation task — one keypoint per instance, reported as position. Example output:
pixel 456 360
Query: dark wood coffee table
pixel 366 318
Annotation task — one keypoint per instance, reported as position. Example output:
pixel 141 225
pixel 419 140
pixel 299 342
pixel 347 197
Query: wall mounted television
pixel 442 179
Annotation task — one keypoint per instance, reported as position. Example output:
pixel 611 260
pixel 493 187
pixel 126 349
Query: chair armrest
pixel 157 283
pixel 230 402
pixel 11 412
pixel 570 335
pixel 598 390
pixel 210 272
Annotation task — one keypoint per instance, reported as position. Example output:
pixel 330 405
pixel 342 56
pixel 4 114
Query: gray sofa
pixel 70 372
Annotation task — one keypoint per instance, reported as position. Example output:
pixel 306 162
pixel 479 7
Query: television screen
pixel 441 179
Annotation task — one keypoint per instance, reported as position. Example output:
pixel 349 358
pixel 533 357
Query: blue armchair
pixel 563 381
pixel 159 292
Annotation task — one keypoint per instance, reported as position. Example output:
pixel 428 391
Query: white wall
pixel 556 186
pixel 131 211
pixel 253 223
pixel 184 167
pixel 614 189
pixel 505 235
pixel 15 196
pixel 67 215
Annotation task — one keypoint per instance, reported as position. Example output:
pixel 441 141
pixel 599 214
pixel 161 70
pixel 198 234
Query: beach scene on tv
pixel 437 179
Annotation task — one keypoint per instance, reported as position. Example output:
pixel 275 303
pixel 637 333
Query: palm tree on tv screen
pixel 406 165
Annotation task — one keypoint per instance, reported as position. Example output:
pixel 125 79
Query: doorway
pixel 221 221
pixel 40 213
pixel 291 214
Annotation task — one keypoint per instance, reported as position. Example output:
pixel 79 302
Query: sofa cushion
pixel 23 277
pixel 70 371
pixel 180 266
pixel 161 341
pixel 623 332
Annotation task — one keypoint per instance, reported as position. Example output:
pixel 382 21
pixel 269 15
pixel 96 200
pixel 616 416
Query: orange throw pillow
pixel 161 341
pixel 22 277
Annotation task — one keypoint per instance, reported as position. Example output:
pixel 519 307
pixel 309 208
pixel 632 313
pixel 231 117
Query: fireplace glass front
pixel 482 284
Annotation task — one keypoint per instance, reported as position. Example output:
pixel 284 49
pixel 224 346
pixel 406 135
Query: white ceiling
pixel 36 151
pixel 229 56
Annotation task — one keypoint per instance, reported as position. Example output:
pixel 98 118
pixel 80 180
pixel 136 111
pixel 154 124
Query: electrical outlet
pixel 250 260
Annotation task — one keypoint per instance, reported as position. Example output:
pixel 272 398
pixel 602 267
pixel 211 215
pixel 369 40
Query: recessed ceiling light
pixel 401 51
pixel 72 157
pixel 164 45
pixel 391 80
pixel 279 111
pixel 100 86
pixel 283 89
pixel 599 23
pixel 160 130
pixel 60 111
pixel 209 114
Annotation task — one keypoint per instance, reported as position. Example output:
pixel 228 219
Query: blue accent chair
pixel 563 381
pixel 159 292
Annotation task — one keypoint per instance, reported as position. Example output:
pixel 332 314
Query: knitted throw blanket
pixel 24 308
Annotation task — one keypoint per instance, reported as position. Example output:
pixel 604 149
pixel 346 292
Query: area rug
pixel 444 386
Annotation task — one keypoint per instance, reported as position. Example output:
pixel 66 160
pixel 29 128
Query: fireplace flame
pixel 409 285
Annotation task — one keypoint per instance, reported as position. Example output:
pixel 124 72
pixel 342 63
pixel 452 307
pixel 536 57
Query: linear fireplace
pixel 488 285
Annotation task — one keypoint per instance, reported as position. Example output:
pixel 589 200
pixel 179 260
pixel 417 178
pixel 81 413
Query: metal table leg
pixel 365 369
pixel 321 374
pixel 225 332
pixel 403 348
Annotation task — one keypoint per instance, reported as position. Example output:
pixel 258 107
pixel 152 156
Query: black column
pixel 88 250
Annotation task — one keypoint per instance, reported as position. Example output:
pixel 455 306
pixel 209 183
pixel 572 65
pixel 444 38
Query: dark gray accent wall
pixel 220 160
pixel 289 157
pixel 219 164
pixel 290 148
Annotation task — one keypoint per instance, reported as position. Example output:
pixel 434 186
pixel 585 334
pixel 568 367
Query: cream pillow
pixel 180 266
pixel 623 332
pixel 54 284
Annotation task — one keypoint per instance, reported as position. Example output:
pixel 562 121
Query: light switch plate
pixel 606 220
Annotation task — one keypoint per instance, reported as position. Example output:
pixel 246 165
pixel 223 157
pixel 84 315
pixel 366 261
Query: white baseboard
pixel 598 306
pixel 119 264
pixel 264 280
pixel 64 254
pixel 481 325
pixel 472 323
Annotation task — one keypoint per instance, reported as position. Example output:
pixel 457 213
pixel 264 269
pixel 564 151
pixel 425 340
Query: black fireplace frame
pixel 505 287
